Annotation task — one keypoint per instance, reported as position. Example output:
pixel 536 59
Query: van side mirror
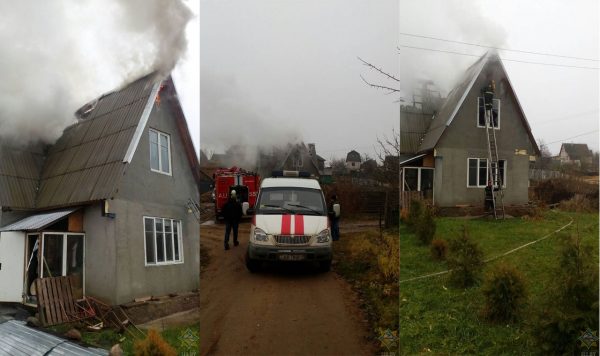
pixel 245 207
pixel 336 210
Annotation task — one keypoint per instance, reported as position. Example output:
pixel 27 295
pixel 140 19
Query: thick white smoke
pixel 456 20
pixel 58 55
pixel 229 118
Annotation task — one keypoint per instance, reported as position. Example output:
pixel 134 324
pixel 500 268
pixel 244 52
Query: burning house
pixel 451 155
pixel 107 203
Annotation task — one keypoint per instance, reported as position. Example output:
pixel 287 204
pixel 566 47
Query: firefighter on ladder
pixel 488 99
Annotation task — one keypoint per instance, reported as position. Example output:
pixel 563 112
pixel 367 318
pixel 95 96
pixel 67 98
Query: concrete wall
pixel 143 192
pixel 463 139
pixel 100 254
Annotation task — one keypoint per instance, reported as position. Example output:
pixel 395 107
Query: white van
pixel 290 222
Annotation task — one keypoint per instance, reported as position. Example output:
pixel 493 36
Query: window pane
pixel 75 263
pixel 154 155
pixel 153 137
pixel 53 255
pixel 176 238
pixel 483 172
pixel 164 159
pixel 169 239
pixel 411 179
pixel 426 179
pixel 149 231
pixel 481 113
pixel 501 171
pixel 472 172
pixel 160 247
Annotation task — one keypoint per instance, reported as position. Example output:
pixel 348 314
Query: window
pixel 62 255
pixel 477 174
pixel 162 241
pixel 495 113
pixel 160 152
pixel 418 179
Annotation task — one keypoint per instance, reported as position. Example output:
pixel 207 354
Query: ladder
pixel 194 208
pixel 493 168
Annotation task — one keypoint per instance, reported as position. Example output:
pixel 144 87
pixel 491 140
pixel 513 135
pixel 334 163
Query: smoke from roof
pixel 453 20
pixel 59 55
pixel 231 123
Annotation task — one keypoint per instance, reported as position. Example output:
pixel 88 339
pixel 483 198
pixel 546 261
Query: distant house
pixel 107 203
pixel 353 161
pixel 575 153
pixel 299 157
pixel 443 153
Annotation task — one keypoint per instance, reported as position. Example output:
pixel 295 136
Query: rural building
pixel 353 161
pixel 444 150
pixel 575 153
pixel 107 204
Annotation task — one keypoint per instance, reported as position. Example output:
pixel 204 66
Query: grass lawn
pixel 106 338
pixel 438 318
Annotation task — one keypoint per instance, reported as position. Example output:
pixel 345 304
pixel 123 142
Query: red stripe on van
pixel 286 224
pixel 298 224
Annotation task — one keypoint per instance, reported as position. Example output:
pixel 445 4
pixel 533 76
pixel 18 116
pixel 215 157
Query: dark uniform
pixel 232 212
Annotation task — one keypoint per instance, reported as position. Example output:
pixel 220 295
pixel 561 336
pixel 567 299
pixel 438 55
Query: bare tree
pixel 338 166
pixel 391 88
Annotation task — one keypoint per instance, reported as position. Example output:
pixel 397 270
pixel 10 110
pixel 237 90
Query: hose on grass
pixel 496 257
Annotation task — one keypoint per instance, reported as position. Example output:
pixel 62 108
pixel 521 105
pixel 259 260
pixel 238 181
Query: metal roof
pixel 20 169
pixel 17 339
pixel 413 126
pixel 87 162
pixel 38 221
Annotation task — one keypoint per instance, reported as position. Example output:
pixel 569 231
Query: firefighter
pixel 335 220
pixel 232 212
pixel 489 198
pixel 488 99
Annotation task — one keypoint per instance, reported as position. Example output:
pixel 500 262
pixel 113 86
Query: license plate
pixel 291 257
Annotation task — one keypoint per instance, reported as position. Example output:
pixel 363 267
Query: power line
pixel 498 48
pixel 563 118
pixel 565 139
pixel 504 59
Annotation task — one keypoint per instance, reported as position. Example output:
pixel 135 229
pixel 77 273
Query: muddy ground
pixel 282 310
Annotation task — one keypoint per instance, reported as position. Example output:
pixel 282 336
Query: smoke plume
pixel 229 119
pixel 456 20
pixel 58 55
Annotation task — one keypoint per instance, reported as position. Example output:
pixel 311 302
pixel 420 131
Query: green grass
pixel 445 320
pixel 106 338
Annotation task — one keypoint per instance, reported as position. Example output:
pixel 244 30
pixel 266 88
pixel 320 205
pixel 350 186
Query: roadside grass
pixel 438 318
pixel 108 337
pixel 365 260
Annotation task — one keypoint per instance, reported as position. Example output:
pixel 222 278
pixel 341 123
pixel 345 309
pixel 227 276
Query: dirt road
pixel 278 311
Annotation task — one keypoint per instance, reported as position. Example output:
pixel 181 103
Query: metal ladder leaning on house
pixel 493 168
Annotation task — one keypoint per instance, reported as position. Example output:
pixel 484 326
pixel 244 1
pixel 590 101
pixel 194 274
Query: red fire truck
pixel 244 183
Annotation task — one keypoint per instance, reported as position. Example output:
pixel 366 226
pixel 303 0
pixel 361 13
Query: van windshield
pixel 289 200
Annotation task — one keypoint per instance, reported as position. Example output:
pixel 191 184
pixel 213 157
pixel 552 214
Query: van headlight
pixel 323 237
pixel 260 237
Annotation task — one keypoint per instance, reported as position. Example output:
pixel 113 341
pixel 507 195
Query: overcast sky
pixel 559 102
pixel 278 71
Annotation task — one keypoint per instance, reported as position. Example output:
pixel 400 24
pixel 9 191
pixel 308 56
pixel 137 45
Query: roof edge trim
pixel 142 123
pixel 412 158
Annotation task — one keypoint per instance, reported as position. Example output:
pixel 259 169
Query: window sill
pixel 162 264
pixel 161 172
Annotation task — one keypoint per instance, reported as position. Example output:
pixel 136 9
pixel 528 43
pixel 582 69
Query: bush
pixel 572 300
pixel 465 260
pixel 388 260
pixel 153 345
pixel 579 203
pixel 425 225
pixel 414 213
pixel 438 249
pixel 505 294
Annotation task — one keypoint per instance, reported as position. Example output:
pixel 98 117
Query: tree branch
pixel 379 70
pixel 377 86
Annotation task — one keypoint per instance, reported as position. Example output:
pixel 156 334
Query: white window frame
pixel 168 137
pixel 418 175
pixel 179 240
pixel 499 113
pixel 486 172
pixel 64 252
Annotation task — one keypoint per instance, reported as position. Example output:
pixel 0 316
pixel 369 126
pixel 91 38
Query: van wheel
pixel 251 265
pixel 325 266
